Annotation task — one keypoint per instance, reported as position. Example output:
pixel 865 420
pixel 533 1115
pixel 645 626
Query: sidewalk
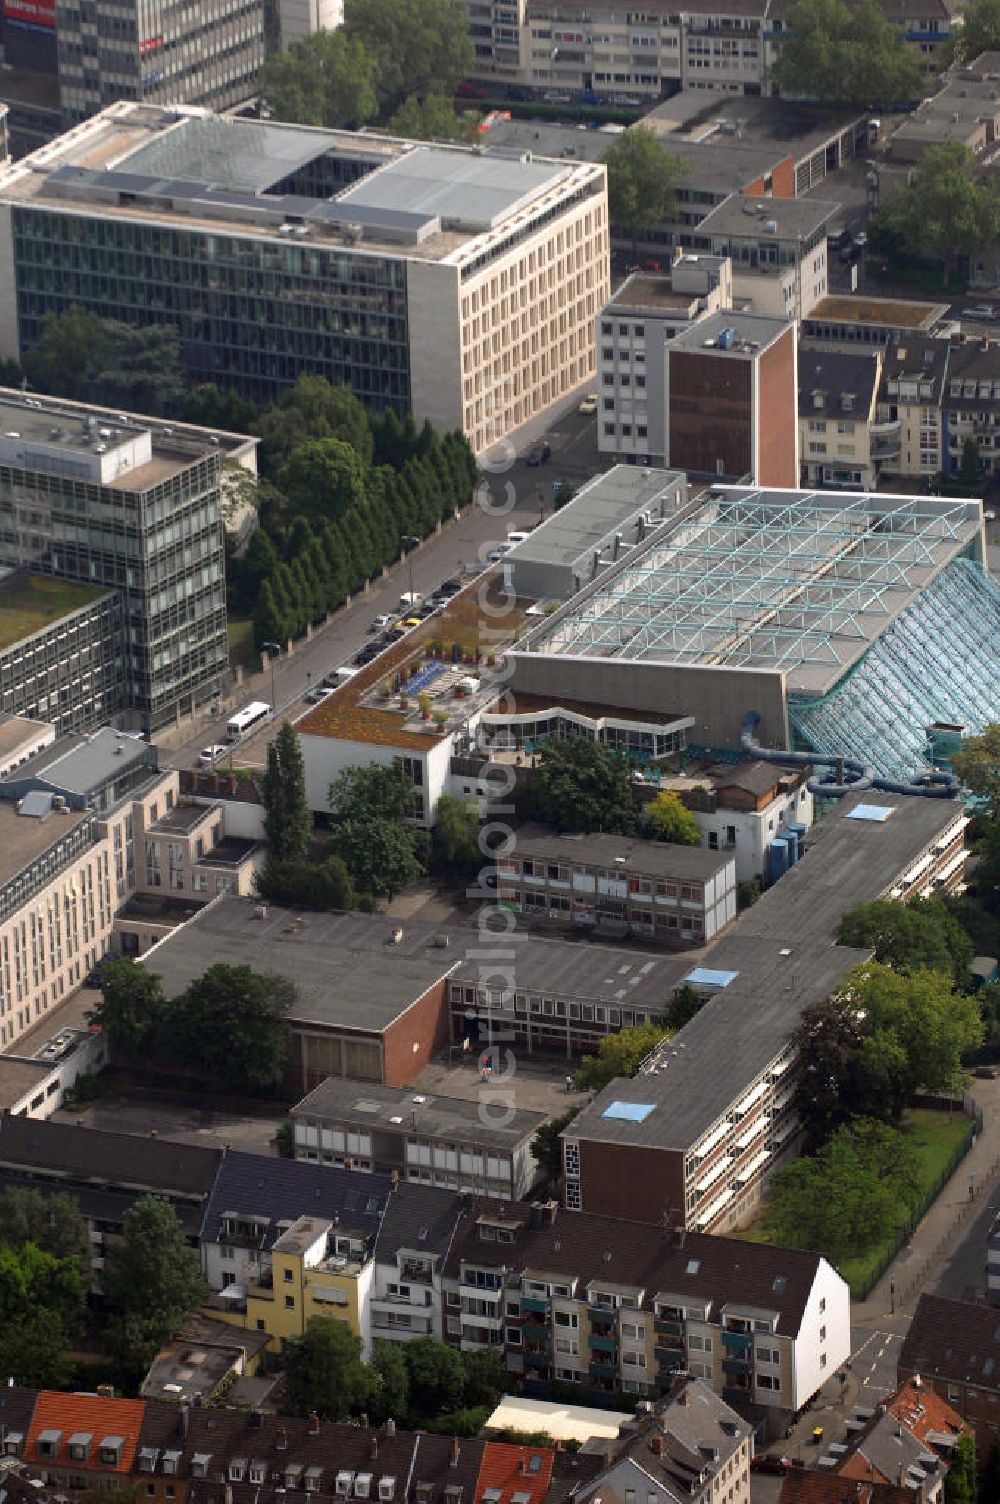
pixel 920 1262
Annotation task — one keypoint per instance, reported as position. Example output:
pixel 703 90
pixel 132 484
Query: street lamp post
pixel 410 542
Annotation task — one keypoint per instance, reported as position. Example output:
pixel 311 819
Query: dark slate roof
pixel 974 361
pixel 830 375
pixel 122 1160
pixel 284 1189
pixel 97 1203
pixel 584 1246
pixel 916 357
pixel 953 1339
pixel 420 1218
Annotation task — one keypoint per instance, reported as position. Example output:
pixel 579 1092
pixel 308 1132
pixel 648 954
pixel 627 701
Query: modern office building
pixel 778 250
pixel 121 519
pixel 457 284
pixel 730 399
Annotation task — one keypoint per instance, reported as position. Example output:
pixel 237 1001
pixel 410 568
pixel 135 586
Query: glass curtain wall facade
pixel 252 313
pixel 73 672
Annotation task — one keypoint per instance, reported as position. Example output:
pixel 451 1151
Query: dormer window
pixel 237 1469
pixel 13 1442
pixel 424 1493
pixel 386 1489
pixel 363 1486
pixel 314 1476
pixel 293 1475
pixel 110 1451
pixel 78 1446
pixel 48 1443
pixel 170 1461
pixel 258 1471
pixel 200 1464
pixel 147 1459
pixel 345 1483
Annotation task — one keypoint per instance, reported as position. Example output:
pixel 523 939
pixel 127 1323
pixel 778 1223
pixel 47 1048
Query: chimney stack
pixel 373 1449
pixel 281 1440
pixel 313 1425
pixel 390 1427
pixel 454 1453
pixel 184 1419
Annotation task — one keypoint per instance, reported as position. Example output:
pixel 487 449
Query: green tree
pixel 287 817
pixel 232 1026
pixel 31 1279
pixel 382 857
pixel 486 1378
pixel 978 33
pixel 324 885
pixel 619 1055
pixel 131 1010
pixel 456 833
pixel 34 1350
pixel 546 1145
pixel 62 360
pixel 390 1396
pixel 853 1193
pixel 642 182
pixel 53 1223
pixel 324 1371
pixel 968 465
pixel 669 819
pixel 580 785
pixel 151 1282
pixel 831 1082
pixel 422 47
pixel 437 1376
pixel 433 118
pixel 905 936
pixel 960 1481
pixel 326 79
pixel 977 764
pixel 248 575
pixel 138 367
pixel 685 1003
pixel 933 1024
pixel 325 479
pixel 313 409
pixel 269 621
pixel 944 213
pixel 843 54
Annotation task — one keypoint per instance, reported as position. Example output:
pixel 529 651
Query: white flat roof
pixel 561 1422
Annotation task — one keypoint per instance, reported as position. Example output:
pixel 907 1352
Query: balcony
pixel 734 1396
pixel 671 1328
pixel 669 1352
pixel 535 1303
pixel 602 1344
pixel 604 1370
pixel 736 1365
pixel 737 1342
pixel 535 1360
pixel 534 1331
pixel 601 1315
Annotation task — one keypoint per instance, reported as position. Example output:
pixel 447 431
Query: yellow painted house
pixel 316 1269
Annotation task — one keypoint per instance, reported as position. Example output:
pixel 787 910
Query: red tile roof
pixel 920 1410
pixel 90 1414
pixel 514 1470
pixel 802 1487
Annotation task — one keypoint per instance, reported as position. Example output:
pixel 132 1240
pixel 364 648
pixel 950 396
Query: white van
pixel 410 599
pixel 515 538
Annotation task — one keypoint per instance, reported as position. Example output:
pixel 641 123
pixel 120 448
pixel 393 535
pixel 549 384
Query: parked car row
pixel 389 627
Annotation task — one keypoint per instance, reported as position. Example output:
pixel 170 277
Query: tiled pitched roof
pixel 920 1410
pixel 510 1472
pixel 595 1248
pixel 953 1339
pixel 285 1189
pixel 90 1415
pixel 803 1487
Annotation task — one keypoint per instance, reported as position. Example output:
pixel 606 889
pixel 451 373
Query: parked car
pixel 860 240
pixel 469 90
pixel 317 693
pixel 517 94
pixel 209 756
pixel 555 96
pixel 410 600
pixel 984 311
pixel 770 1462
pixel 449 587
pixel 380 623
pixel 588 405
pixel 539 453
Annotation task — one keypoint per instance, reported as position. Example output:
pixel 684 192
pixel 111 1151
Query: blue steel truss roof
pixel 936 662
pixel 797 581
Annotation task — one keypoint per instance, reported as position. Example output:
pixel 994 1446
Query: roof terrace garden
pixel 30 602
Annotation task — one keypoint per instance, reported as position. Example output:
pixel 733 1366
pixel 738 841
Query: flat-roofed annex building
pixel 458 284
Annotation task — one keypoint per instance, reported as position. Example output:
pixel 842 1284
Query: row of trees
pixel 388 61
pixel 414 1383
pixel 945 214
pixel 229 1028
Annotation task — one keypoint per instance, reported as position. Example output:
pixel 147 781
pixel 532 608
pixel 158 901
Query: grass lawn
pixel 29 602
pixel 936 1138
pixel 242 652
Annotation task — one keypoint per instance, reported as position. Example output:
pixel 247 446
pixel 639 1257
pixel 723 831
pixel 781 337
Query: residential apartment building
pixel 676 895
pixel 731 395
pixel 743 808
pixel 953 1346
pixel 837 409
pixel 778 250
pixel 712 1112
pixel 601 1302
pixel 444 1141
pixel 909 1441
pixel 906 436
pixel 131 516
pixel 692 1447
pixel 283 1241
pixel 636 325
pixel 970 406
pixel 406 1298
pixel 479 276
